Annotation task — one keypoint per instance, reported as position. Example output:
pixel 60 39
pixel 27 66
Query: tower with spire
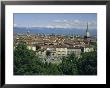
pixel 87 32
pixel 87 36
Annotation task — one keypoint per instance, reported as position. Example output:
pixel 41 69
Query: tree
pixel 48 53
pixel 87 64
pixel 69 65
pixel 23 59
pixel 53 69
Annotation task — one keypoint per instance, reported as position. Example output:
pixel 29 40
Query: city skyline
pixel 56 20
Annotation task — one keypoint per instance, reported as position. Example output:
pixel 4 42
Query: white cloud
pixel 73 24
pixel 76 21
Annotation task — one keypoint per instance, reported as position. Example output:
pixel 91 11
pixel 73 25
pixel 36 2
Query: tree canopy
pixel 26 62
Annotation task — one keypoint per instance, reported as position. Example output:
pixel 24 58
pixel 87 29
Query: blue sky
pixel 61 20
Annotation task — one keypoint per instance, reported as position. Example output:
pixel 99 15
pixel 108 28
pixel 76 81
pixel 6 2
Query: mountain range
pixel 45 30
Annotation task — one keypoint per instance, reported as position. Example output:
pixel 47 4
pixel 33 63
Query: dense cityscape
pixel 54 47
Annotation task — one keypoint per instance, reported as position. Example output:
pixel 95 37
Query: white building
pixel 76 51
pixel 61 52
pixel 88 49
pixel 31 47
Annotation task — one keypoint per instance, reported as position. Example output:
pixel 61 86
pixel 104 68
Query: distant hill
pixel 66 31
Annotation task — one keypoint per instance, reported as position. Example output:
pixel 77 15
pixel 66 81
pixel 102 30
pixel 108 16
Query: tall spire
pixel 87 32
pixel 87 28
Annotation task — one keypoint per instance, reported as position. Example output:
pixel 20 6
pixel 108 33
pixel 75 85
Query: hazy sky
pixel 60 20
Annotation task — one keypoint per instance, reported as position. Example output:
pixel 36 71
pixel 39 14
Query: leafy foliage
pixel 88 63
pixel 27 63
pixel 69 65
pixel 48 53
